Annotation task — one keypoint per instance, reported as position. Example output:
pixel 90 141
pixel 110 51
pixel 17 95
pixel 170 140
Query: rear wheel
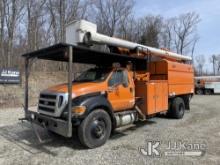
pixel 208 91
pixel 95 129
pixel 177 108
pixel 199 91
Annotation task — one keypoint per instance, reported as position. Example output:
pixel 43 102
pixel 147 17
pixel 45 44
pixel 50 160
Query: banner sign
pixel 9 76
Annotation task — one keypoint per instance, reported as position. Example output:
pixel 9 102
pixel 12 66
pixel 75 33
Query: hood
pixel 79 88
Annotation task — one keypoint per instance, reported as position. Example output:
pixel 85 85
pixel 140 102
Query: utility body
pixel 126 85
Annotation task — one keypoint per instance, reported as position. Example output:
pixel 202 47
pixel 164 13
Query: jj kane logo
pixel 151 149
pixel 173 148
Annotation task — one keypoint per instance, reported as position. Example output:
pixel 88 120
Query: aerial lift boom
pixel 86 32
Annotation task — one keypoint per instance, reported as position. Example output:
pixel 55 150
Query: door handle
pixel 155 97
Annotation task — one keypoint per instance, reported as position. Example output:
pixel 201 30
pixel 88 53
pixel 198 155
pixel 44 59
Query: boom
pixel 79 32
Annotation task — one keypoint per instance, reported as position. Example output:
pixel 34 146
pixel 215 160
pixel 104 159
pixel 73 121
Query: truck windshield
pixel 93 75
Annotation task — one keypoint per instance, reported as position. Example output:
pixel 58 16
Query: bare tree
pixel 30 25
pixel 218 63
pixel 131 29
pixel 214 60
pixel 109 13
pixel 167 34
pixel 127 28
pixel 51 5
pixel 78 9
pixel 2 32
pixel 151 27
pixel 194 42
pixel 62 19
pixel 200 61
pixel 185 29
pixel 35 21
pixel 13 14
pixel 63 11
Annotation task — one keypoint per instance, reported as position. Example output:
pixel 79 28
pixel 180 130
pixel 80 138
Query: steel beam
pixel 70 55
pixel 26 87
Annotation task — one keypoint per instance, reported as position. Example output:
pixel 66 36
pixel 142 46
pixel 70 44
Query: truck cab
pixel 114 84
pixel 105 93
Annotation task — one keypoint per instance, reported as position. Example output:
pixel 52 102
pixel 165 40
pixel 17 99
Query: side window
pixel 125 79
pixel 119 77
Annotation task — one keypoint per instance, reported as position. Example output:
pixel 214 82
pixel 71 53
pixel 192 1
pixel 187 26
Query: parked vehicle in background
pixel 207 85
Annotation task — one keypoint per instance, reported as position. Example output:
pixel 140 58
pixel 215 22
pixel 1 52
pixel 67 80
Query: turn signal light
pixel 78 110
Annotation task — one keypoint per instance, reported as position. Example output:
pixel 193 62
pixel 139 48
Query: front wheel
pixel 95 129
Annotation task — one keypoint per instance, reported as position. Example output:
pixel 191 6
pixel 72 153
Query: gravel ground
pixel 201 125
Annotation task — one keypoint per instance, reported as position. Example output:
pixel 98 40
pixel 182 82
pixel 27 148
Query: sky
pixel 208 28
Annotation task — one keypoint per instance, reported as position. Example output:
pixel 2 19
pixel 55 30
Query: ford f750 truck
pixel 129 82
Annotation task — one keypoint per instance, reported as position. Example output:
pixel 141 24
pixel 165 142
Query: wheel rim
pixel 199 92
pixel 98 129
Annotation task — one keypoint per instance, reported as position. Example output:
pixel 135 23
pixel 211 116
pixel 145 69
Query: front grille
pixel 48 96
pixel 46 109
pixel 47 102
pixel 52 104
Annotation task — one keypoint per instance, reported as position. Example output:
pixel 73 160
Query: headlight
pixel 78 110
pixel 60 102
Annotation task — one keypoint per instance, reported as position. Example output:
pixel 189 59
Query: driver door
pixel 121 90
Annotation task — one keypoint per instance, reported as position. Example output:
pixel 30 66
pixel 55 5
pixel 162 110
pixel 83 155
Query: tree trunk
pixel 2 17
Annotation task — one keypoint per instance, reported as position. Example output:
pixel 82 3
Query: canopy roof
pixel 84 55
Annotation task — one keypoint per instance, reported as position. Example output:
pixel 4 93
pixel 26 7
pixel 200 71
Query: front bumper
pixel 58 126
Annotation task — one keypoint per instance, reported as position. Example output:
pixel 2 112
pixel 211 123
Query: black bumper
pixel 58 126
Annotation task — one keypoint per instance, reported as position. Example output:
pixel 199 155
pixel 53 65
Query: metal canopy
pixel 85 55
pixel 73 54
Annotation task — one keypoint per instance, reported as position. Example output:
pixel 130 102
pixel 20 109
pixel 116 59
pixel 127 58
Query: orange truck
pixel 130 82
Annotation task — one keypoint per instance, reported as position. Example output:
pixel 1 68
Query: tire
pixel 177 108
pixel 95 129
pixel 199 91
pixel 208 92
pixel 51 133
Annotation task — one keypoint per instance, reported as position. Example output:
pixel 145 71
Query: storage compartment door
pixel 151 106
pixel 161 95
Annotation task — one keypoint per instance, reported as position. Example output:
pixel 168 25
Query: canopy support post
pixel 70 55
pixel 26 92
